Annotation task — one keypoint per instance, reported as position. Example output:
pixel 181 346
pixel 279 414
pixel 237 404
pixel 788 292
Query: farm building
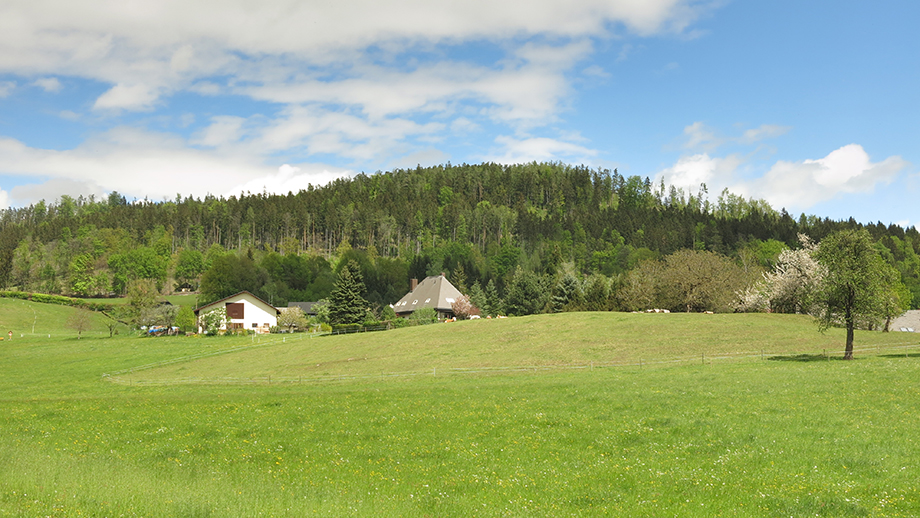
pixel 244 311
pixel 433 292
pixel 306 307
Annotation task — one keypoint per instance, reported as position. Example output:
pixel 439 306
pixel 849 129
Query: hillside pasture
pixel 691 438
pixel 564 340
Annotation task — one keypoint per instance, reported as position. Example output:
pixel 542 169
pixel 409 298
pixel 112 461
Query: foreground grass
pixel 756 438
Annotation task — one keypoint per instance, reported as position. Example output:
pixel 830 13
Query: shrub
pixel 424 316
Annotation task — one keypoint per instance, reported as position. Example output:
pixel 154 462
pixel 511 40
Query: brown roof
pixel 277 311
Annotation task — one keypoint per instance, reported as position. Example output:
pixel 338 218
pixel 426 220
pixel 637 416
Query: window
pixel 427 301
pixel 235 310
pixel 255 325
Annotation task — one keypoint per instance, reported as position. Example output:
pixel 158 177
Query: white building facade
pixel 244 311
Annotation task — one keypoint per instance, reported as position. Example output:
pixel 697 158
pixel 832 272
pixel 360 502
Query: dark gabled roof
pixel 277 311
pixel 433 292
pixel 306 307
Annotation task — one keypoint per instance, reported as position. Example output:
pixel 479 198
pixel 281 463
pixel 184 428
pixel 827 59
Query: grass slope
pixel 565 339
pixel 32 319
pixel 756 438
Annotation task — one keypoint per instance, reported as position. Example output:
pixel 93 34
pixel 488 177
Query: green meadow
pixel 579 414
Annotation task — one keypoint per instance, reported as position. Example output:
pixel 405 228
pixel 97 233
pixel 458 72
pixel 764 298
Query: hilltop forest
pixel 522 238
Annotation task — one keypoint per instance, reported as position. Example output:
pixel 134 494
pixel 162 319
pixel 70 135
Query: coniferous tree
pixel 346 302
pixel 479 299
pixel 495 303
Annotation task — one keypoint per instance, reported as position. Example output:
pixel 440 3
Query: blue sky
pixel 812 106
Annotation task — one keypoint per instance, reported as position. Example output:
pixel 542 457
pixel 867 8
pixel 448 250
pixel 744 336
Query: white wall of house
pixel 257 316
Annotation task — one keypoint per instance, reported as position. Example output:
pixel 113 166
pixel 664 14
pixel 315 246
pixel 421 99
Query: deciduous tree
pixel 80 320
pixel 292 317
pixel 857 285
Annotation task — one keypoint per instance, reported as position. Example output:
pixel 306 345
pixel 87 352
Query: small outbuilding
pixel 244 311
pixel 433 292
pixel 306 307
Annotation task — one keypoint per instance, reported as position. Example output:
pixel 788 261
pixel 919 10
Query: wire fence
pixel 121 377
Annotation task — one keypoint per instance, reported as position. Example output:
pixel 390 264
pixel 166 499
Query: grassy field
pixel 798 435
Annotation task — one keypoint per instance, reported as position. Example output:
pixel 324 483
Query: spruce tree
pixel 346 302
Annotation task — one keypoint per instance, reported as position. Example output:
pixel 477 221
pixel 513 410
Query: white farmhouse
pixel 244 311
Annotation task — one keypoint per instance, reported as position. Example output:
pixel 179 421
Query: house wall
pixel 257 317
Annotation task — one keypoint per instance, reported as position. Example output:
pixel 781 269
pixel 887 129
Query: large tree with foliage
pixel 857 285
pixel 693 280
pixel 346 302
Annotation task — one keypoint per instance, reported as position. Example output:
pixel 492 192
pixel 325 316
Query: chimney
pixel 413 283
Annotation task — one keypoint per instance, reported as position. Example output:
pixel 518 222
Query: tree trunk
pixel 848 353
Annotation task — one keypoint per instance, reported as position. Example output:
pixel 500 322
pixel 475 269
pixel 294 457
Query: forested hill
pixel 478 222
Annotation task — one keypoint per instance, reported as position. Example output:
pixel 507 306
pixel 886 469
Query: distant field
pixel 178 300
pixel 801 437
pixel 30 319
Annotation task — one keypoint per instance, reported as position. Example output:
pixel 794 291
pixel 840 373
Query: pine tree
pixel 346 302
pixel 495 303
pixel 479 299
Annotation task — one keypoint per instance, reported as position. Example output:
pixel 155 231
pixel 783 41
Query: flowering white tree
pixel 788 288
pixel 462 307
pixel 213 321
pixel 293 317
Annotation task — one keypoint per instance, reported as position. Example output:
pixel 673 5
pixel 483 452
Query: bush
pixel 424 316
pixel 399 322
pixel 347 328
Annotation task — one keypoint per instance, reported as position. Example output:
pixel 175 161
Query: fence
pixel 893 350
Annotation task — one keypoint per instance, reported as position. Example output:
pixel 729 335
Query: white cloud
pixel 370 86
pixel 763 132
pixel 53 190
pixel 148 49
pixel 699 136
pixel 843 171
pixel 69 115
pixel 6 87
pixel 540 149
pixel 595 71
pixel 690 172
pixel 133 162
pixel 319 131
pixel 224 130
pixel 49 84
pixel 290 179
pixel 131 97
pixel 792 185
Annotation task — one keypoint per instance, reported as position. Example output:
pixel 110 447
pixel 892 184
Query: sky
pixel 812 106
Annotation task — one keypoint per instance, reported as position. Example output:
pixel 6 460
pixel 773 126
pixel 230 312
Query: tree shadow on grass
pixel 896 355
pixel 806 358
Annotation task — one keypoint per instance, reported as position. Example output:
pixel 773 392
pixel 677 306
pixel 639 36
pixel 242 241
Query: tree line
pixel 520 238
